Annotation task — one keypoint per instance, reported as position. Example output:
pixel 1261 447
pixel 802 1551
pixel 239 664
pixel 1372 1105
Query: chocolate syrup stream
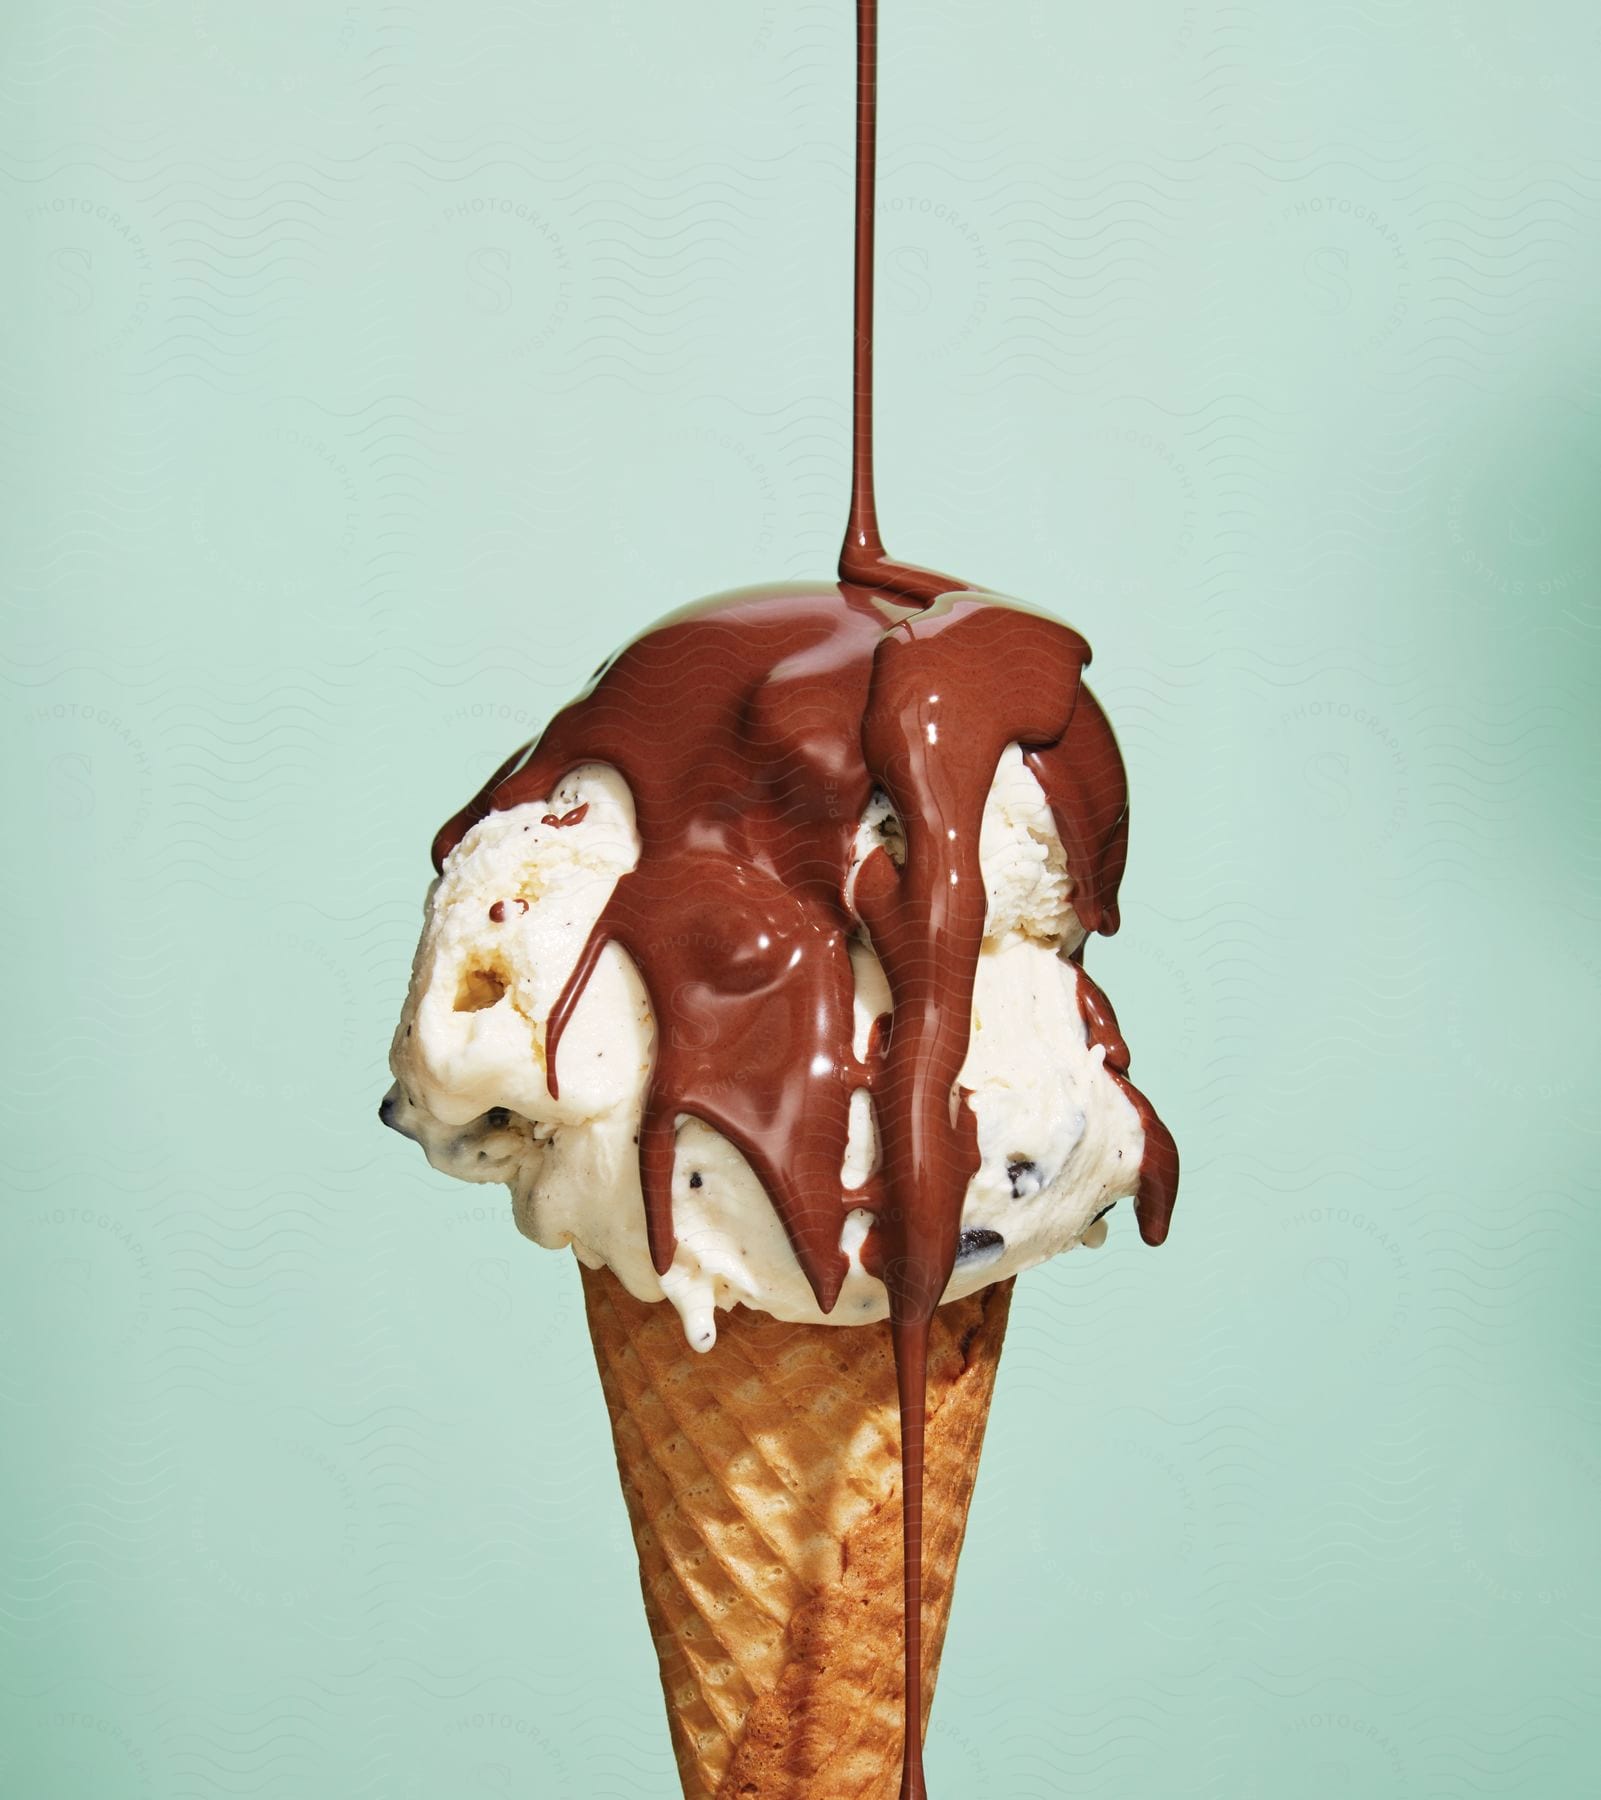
pixel 864 558
pixel 911 1383
pixel 751 730
pixel 863 545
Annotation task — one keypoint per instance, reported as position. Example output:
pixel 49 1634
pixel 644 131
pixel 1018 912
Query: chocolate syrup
pixel 1159 1159
pixel 752 730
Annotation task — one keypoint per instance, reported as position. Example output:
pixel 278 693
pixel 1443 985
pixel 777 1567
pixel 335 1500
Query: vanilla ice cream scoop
pixel 1059 1140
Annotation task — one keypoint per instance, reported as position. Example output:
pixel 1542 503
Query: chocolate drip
pixel 944 703
pixel 1082 775
pixel 933 733
pixel 1159 1160
pixel 737 727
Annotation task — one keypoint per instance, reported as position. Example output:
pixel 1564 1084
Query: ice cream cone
pixel 763 1485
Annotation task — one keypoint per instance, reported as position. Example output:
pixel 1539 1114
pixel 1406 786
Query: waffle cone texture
pixel 763 1484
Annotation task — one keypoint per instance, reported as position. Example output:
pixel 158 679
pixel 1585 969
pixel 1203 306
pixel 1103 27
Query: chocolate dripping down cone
pixel 763 1485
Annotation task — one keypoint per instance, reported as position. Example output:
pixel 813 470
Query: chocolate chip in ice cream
pixel 1024 1177
pixel 978 1242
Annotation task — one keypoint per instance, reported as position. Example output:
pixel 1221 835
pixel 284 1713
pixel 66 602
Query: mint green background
pixel 367 373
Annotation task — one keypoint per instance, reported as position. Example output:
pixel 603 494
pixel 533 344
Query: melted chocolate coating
pixel 751 730
pixel 1159 1159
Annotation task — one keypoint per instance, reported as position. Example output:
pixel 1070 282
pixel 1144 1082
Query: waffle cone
pixel 763 1484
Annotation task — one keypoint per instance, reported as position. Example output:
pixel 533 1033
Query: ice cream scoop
pixel 791 900
pixel 1059 1141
